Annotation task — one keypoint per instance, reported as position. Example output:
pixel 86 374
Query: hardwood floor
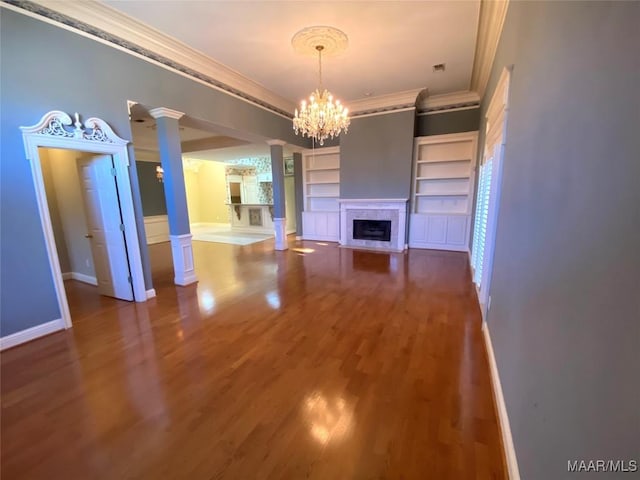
pixel 318 362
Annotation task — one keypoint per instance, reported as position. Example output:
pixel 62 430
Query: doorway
pixel 84 207
pixel 97 191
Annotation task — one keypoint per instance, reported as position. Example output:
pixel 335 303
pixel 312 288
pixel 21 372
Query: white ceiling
pixel 392 45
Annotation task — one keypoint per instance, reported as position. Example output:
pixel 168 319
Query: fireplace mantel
pixel 393 209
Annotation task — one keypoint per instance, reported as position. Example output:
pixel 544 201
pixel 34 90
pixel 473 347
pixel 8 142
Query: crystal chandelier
pixel 323 116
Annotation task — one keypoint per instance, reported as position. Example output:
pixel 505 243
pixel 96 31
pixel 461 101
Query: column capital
pixel 165 112
pixel 276 142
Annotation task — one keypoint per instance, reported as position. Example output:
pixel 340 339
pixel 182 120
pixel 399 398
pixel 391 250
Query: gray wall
pixel 448 122
pixel 46 68
pixel 376 156
pixel 565 294
pixel 151 190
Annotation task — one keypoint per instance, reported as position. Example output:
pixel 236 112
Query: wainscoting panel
pixel 157 229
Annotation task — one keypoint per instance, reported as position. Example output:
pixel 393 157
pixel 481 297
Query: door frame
pixel 57 130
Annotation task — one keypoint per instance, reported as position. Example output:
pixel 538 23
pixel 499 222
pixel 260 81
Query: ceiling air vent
pixel 439 67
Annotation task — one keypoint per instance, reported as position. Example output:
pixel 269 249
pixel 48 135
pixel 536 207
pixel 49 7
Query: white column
pixel 168 131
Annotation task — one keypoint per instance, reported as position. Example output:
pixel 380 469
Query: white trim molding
pixel 449 101
pixel 384 103
pixel 490 23
pixel 183 266
pixel 276 142
pixel 151 293
pixel 501 408
pixel 127 29
pixel 164 112
pixel 280 227
pixel 32 333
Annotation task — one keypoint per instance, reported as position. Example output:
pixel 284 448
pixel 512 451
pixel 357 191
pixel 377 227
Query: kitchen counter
pixel 252 217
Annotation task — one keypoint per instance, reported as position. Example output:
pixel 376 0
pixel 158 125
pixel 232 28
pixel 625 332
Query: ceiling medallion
pixel 323 116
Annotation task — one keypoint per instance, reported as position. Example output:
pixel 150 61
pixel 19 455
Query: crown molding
pixel 133 33
pixel 448 101
pixel 273 142
pixel 161 112
pixel 384 103
pixel 490 23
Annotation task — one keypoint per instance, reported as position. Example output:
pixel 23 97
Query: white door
pixel 106 230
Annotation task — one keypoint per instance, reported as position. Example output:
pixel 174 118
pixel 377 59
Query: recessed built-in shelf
pixel 321 175
pixel 323 168
pixel 451 177
pixel 442 191
pixel 445 161
pixel 452 194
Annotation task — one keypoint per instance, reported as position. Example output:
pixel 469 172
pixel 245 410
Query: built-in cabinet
pixel 442 191
pixel 321 184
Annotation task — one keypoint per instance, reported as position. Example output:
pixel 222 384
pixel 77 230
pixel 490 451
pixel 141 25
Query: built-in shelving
pixel 442 191
pixel 321 186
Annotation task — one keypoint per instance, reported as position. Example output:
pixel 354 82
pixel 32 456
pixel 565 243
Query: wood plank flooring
pixel 315 363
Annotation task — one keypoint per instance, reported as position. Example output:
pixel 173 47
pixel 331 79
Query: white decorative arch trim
pixel 58 124
pixel 56 129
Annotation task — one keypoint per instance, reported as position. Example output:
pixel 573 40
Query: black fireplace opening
pixel 379 230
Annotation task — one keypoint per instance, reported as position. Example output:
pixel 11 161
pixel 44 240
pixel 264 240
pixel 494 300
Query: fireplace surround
pixel 391 212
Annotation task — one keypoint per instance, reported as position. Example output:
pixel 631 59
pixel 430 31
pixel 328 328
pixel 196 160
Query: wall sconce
pixel 159 173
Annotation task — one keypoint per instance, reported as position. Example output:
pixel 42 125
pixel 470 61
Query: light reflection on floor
pixel 330 419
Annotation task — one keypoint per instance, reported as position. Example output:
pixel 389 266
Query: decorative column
pixel 175 194
pixel 297 181
pixel 279 211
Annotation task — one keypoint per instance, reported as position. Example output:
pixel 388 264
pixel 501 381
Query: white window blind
pixel 480 225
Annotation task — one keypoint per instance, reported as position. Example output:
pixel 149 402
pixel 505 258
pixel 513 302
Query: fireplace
pixel 378 224
pixel 379 230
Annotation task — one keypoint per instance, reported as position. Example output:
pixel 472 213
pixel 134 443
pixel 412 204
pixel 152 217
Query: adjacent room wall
pixel 211 194
pixel 85 76
pixel 376 156
pixel 68 218
pixel 565 292
pixel 440 123
pixel 151 190
pixel 54 211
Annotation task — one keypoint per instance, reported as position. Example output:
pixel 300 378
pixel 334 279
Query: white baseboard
pixel 32 333
pixel 80 277
pixel 503 417
pixel 151 293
